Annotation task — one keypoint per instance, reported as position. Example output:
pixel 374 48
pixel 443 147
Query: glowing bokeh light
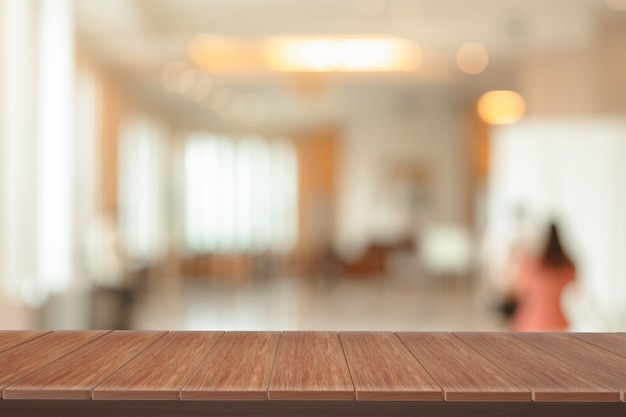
pixel 472 58
pixel 501 107
pixel 341 54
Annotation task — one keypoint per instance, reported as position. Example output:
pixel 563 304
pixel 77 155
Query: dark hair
pixel 554 255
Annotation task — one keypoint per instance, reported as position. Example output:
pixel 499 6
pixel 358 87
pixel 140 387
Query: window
pixel 239 195
pixel 142 190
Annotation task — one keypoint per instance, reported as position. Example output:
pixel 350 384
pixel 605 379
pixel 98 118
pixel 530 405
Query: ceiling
pixel 137 38
pixel 436 25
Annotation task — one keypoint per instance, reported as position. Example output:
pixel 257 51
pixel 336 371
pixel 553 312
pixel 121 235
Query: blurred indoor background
pixel 310 164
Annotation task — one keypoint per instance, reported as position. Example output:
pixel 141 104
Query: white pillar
pixel 55 139
pixel 17 169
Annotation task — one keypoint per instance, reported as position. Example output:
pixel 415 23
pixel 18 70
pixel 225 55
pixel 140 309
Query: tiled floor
pixel 295 304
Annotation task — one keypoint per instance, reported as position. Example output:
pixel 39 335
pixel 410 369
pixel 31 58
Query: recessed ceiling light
pixel 342 54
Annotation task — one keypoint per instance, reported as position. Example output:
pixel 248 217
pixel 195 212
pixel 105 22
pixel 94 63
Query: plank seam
pixel 522 383
pixel 124 364
pixel 421 364
pixel 269 381
pixel 26 341
pixel 57 359
pixel 541 350
pixel 345 358
pixel 547 353
pixel 596 346
pixel 180 388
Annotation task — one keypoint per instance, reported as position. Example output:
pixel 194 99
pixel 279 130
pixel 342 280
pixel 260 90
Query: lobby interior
pixel 307 165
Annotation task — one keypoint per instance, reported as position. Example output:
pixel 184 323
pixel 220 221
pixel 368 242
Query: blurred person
pixel 540 283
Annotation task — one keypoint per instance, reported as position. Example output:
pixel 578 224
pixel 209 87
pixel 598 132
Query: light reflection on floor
pixel 295 304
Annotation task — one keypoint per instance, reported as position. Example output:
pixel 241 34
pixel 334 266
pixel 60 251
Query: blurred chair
pixel 113 291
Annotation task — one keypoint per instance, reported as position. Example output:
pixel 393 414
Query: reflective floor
pixel 295 304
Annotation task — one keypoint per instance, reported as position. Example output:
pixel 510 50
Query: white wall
pixel 385 127
pixel 573 170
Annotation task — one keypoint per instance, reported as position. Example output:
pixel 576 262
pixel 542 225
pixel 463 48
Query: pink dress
pixel 539 297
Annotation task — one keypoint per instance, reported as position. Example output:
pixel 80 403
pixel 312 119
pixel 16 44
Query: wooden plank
pixel 75 375
pixel 26 358
pixel 462 373
pixel 613 342
pixel 310 366
pixel 588 359
pixel 383 369
pixel 11 338
pixel 238 368
pixel 548 379
pixel 159 372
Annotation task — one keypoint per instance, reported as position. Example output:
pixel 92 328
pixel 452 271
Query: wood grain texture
pixel 75 375
pixel 159 372
pixel 26 358
pixel 548 378
pixel 462 373
pixel 238 368
pixel 310 366
pixel 592 361
pixel 11 338
pixel 613 342
pixel 470 368
pixel 383 369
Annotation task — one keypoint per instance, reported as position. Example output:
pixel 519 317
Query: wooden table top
pixel 343 366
